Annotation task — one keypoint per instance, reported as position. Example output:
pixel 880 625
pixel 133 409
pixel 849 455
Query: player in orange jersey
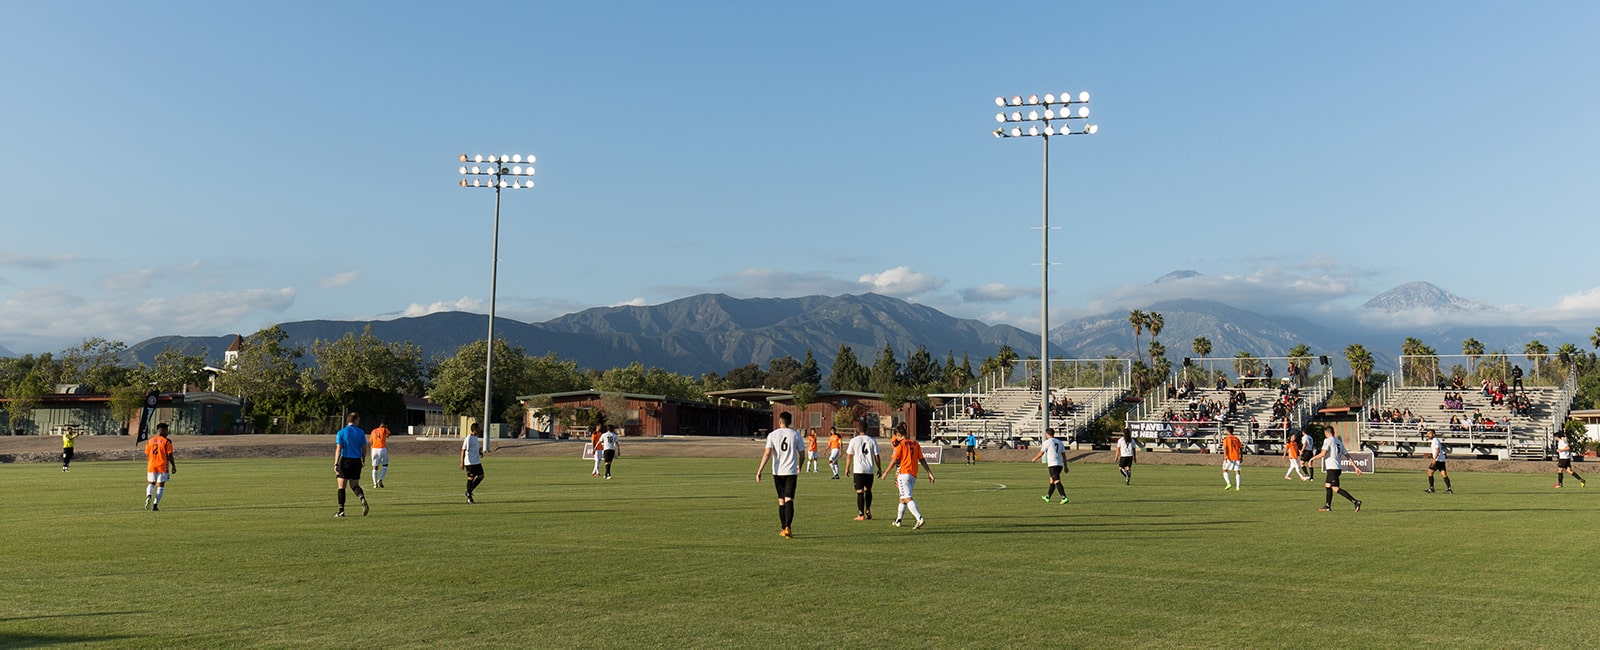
pixel 594 443
pixel 907 455
pixel 835 445
pixel 811 450
pixel 1232 456
pixel 159 466
pixel 1291 450
pixel 380 452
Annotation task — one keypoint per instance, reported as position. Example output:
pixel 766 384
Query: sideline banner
pixel 588 451
pixel 934 454
pixel 1366 460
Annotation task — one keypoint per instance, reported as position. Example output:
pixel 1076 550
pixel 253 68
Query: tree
pixel 24 396
pixel 1569 357
pixel 1246 364
pixel 615 407
pixel 1300 355
pixel 921 369
pixel 804 395
pixel 636 378
pixel 1535 352
pixel 96 363
pixel 1160 366
pixel 1472 348
pixel 1154 322
pixel 1201 346
pixel 1422 366
pixel 174 370
pixel 783 372
pixel 125 401
pixel 1360 361
pixel 958 378
pixel 457 381
pixel 366 373
pixel 747 376
pixel 809 372
pixel 1136 318
pixel 848 373
pixel 1000 362
pixel 885 371
pixel 264 374
pixel 1594 339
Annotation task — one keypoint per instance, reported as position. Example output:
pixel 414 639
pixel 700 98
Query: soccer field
pixel 684 552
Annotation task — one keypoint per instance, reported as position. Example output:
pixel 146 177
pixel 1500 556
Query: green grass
pixel 684 552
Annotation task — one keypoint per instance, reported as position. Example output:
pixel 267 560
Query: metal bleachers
pixel 1011 402
pixel 1420 407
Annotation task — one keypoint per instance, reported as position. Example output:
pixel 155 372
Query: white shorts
pixel 906 483
pixel 1230 466
pixel 833 455
pixel 157 477
pixel 380 457
pixel 811 455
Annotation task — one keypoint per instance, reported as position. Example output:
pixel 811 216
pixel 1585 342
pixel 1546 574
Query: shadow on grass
pixel 8 640
pixel 72 615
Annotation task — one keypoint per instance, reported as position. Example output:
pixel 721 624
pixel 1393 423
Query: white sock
pixel 159 490
pixel 383 473
pixel 900 513
pixel 149 489
pixel 374 476
pixel 1225 480
pixel 914 512
pixel 1238 479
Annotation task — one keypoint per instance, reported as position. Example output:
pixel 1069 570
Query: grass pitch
pixel 685 552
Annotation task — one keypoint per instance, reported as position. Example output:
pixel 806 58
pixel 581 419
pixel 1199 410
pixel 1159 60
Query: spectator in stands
pixel 1459 383
pixel 1266 374
pixel 1516 377
pixel 1455 423
pixel 1222 382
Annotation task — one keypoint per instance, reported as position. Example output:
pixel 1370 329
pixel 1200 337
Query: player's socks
pixel 1327 498
pixel 341 500
pixel 1430 482
pixel 1446 484
pixel 899 514
pixel 912 506
pixel 1346 494
pixel 1560 479
pixel 159 492
pixel 1238 481
pixel 861 503
pixel 869 503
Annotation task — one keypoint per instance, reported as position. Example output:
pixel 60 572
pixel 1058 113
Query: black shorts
pixel 972 449
pixel 1437 466
pixel 474 471
pixel 608 455
pixel 863 481
pixel 1055 472
pixel 1331 477
pixel 1124 461
pixel 786 485
pixel 66 452
pixel 1563 463
pixel 349 469
pixel 1305 456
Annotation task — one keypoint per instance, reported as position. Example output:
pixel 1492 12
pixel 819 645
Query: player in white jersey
pixel 1054 455
pixel 861 460
pixel 1564 461
pixel 1127 450
pixel 784 446
pixel 1333 454
pixel 608 449
pixel 1437 464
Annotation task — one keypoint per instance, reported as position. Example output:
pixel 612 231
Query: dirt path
pixel 42 449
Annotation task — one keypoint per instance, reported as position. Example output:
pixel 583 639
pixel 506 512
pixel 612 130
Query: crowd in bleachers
pixel 1063 407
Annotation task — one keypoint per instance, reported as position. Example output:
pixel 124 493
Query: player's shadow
pixel 1485 510
pixel 8 640
pixel 8 619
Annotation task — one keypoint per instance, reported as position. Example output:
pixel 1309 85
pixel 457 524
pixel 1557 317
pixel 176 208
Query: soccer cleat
pixel 1558 485
pixel 1063 500
pixel 608 477
pixel 1046 498
pixel 861 518
pixel 1447 491
pixel 919 524
pixel 786 534
pixel 1429 490
pixel 1324 509
pixel 339 513
pixel 364 507
pixel 869 515
pixel 469 497
pixel 1225 487
pixel 1358 505
pixel 146 502
pixel 155 507
pixel 63 469
pixel 895 523
pixel 1583 483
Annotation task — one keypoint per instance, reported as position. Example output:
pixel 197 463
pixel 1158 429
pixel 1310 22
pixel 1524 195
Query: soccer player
pixel 862 462
pixel 349 447
pixel 594 446
pixel 972 448
pixel 160 464
pixel 1232 458
pixel 907 454
pixel 1564 461
pixel 1054 455
pixel 834 446
pixel 1292 451
pixel 1438 462
pixel 1306 443
pixel 783 448
pixel 69 439
pixel 1126 452
pixel 472 459
pixel 380 452
pixel 608 448
pixel 811 451
pixel 1333 454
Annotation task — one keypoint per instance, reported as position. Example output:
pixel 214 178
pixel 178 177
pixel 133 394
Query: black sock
pixel 1446 482
pixel 869 500
pixel 783 516
pixel 1327 499
pixel 341 499
pixel 861 503
pixel 1561 478
pixel 357 489
pixel 1430 481
pixel 1346 494
pixel 1577 476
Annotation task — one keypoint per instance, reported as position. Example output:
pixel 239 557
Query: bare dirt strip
pixel 44 449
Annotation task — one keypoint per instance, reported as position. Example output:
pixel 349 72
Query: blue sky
pixel 211 168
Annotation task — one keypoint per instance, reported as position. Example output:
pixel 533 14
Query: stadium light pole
pixel 491 171
pixel 1058 119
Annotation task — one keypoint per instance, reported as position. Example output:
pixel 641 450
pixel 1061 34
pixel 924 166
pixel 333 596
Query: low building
pixel 848 410
pixel 561 415
pixel 192 412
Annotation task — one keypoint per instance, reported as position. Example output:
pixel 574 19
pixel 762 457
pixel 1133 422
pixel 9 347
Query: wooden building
pixel 560 415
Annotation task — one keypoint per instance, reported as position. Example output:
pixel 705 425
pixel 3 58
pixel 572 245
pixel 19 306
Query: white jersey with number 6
pixel 863 453
pixel 786 446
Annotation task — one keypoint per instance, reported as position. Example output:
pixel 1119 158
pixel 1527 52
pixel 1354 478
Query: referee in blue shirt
pixel 350 448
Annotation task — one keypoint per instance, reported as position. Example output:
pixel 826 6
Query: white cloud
pixel 636 302
pixel 901 282
pixel 130 281
pixel 460 304
pixel 339 280
pixel 1273 289
pixel 24 260
pixel 53 315
pixel 995 292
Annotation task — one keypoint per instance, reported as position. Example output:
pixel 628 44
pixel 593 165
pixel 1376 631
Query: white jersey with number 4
pixel 1053 450
pixel 863 452
pixel 786 447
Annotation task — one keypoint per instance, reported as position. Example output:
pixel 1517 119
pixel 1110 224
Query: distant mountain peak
pixel 1422 296
pixel 1176 275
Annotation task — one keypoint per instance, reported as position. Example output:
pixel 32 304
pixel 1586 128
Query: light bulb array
pixel 497 168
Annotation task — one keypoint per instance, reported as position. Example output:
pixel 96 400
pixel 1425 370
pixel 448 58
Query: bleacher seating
pixel 1513 436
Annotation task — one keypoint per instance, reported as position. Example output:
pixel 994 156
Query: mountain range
pixel 716 333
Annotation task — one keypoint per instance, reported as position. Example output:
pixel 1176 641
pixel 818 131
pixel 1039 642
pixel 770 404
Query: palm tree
pixel 1535 351
pixel 1569 356
pixel 1473 348
pixel 1594 339
pixel 1154 322
pixel 1360 361
pixel 1136 318
pixel 1300 355
pixel 1202 346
